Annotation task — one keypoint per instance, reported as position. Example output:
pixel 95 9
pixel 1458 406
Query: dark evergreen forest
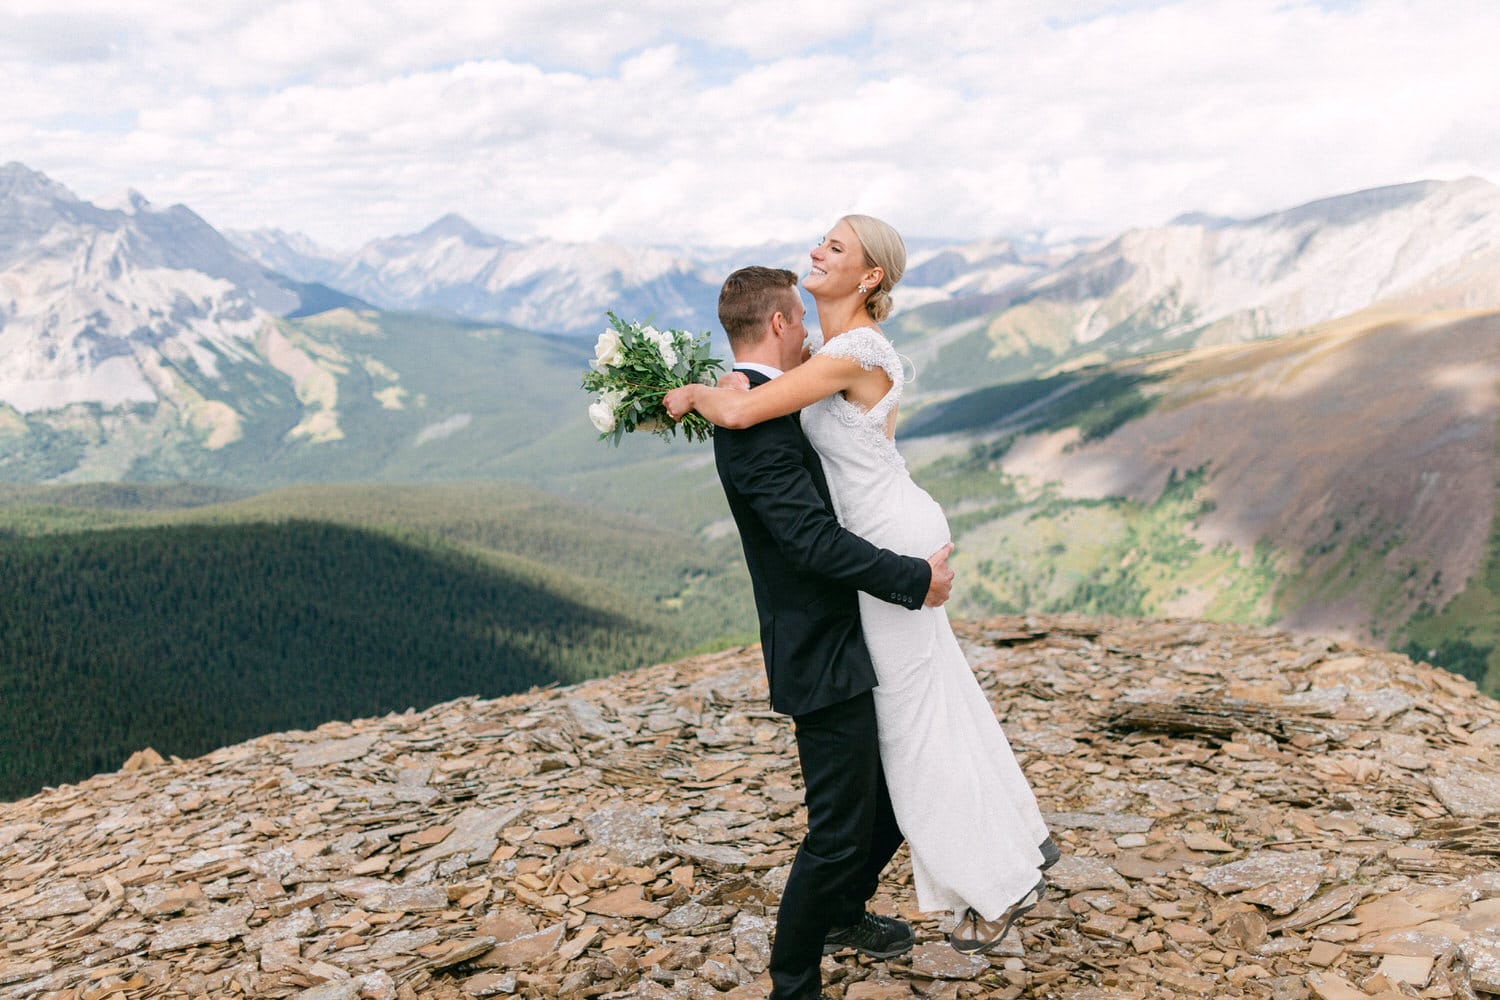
pixel 190 637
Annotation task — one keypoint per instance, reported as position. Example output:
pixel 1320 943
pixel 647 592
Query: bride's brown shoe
pixel 977 936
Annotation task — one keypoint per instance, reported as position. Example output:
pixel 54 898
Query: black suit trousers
pixel 851 836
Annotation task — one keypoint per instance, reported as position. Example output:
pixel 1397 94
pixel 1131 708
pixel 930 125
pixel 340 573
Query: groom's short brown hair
pixel 749 298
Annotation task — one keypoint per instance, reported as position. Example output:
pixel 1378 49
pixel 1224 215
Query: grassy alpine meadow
pixel 1464 636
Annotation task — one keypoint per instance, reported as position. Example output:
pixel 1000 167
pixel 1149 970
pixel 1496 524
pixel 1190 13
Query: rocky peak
pixel 107 296
pixel 179 239
pixel 31 204
pixel 1243 813
pixel 454 226
pixel 440 235
pixel 19 181
pixel 1357 206
pixel 1208 281
pixel 175 237
pixel 135 202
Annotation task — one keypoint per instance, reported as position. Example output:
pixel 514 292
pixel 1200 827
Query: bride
pixel 977 839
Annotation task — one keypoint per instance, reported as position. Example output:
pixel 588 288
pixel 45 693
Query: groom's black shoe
pixel 1050 853
pixel 878 937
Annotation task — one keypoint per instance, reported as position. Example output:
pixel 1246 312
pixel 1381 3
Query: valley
pixel 1287 421
pixel 1340 481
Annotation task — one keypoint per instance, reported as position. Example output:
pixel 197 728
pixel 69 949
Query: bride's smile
pixel 844 280
pixel 838 265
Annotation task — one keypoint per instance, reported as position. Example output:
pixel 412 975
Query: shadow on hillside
pixel 1096 401
pixel 193 637
pixel 1364 454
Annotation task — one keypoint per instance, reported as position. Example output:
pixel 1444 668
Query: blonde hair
pixel 884 249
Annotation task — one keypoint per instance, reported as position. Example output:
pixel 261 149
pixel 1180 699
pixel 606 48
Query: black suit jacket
pixel 805 568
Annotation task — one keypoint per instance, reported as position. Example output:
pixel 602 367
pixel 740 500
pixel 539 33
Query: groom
pixel 806 570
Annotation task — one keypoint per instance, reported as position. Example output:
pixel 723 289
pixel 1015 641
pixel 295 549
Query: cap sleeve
pixel 867 348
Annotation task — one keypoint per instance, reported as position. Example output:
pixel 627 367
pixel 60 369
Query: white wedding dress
pixel 968 813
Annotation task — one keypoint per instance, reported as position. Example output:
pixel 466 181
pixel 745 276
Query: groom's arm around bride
pixel 806 569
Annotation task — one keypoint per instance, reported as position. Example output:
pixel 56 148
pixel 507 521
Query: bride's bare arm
pixel 736 408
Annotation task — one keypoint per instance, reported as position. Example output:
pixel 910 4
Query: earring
pixel 861 289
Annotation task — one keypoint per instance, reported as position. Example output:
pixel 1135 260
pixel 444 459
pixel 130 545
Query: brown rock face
pixel 1242 813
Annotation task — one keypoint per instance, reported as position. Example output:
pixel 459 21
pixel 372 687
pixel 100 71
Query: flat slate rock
pixel 1274 817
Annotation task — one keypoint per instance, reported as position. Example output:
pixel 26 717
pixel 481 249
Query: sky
pixel 685 122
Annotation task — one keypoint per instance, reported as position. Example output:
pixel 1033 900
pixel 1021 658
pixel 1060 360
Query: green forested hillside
pixel 187 628
pixel 1341 481
pixel 1464 636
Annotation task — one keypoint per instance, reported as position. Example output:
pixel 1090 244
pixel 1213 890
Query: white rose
pixel 602 414
pixel 606 349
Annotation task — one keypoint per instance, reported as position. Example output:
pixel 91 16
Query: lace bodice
pixel 870 350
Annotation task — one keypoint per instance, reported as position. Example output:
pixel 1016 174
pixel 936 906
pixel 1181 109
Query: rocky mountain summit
pixel 105 306
pixel 1409 248
pixel 1243 813
pixel 1430 242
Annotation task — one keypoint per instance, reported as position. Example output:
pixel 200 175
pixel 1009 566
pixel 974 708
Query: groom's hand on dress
pixel 942 578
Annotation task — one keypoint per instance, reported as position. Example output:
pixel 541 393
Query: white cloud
pixel 677 121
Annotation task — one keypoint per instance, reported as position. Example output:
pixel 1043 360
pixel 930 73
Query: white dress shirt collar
pixel 752 366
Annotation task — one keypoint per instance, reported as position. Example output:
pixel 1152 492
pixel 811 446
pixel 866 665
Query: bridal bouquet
pixel 633 367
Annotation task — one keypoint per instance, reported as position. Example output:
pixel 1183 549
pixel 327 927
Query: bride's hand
pixel 679 401
pixel 733 380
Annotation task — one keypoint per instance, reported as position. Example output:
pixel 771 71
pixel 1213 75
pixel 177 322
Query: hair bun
pixel 884 249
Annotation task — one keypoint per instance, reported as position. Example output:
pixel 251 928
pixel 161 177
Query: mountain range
pixel 453 268
pixel 1287 419
pixel 104 306
pixel 1007 304
pixel 96 295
